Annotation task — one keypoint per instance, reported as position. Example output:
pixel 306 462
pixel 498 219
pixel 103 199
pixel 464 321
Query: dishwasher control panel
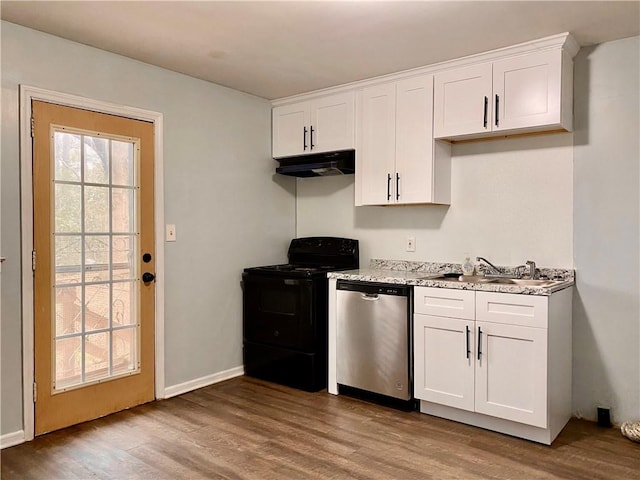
pixel 374 288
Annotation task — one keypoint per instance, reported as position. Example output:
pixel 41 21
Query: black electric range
pixel 285 312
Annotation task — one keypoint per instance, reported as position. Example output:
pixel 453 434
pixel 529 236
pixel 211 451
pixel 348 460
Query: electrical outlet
pixel 170 234
pixel 411 244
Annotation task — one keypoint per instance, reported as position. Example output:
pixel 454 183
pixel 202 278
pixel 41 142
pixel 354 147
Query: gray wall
pixel 229 209
pixel 564 200
pixel 606 311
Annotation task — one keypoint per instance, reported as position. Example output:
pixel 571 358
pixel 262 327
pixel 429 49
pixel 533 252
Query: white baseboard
pixel 11 439
pixel 205 381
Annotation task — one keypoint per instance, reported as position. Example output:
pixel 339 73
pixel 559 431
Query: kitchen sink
pixel 523 282
pixel 461 278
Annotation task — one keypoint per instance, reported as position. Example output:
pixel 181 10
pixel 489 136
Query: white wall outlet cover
pixel 170 234
pixel 411 244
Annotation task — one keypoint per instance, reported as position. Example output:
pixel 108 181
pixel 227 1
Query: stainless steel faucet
pixel 532 269
pixel 497 271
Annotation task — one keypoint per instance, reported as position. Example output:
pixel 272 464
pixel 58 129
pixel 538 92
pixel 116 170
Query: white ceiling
pixel 277 49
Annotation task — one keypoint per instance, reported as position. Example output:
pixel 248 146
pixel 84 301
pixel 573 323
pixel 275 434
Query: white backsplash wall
pixel 511 201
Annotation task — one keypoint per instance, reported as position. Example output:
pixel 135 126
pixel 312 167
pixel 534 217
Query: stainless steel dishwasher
pixel 374 338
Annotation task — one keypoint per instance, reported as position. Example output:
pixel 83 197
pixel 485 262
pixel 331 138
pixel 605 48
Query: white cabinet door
pixel 376 144
pixel 527 91
pixel 462 101
pixel 511 373
pixel 321 125
pixel 332 123
pixel 290 130
pixel 398 161
pixel 414 140
pixel 444 361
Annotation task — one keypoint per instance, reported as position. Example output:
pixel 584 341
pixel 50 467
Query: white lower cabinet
pixel 444 365
pixel 511 374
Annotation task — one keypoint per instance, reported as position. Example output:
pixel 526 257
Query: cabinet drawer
pixel 513 309
pixel 444 302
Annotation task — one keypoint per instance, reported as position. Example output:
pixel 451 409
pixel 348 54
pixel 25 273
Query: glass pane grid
pixel 95 251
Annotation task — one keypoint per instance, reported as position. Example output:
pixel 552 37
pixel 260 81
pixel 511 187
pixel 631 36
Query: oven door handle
pixel 291 282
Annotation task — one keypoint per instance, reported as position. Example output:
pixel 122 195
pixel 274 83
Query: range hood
pixel 342 162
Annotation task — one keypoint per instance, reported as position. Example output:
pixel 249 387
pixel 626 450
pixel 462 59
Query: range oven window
pixel 278 301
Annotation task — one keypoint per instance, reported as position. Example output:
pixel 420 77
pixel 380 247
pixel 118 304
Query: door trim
pixel 27 94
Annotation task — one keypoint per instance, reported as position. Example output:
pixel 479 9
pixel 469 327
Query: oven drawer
pixel 307 371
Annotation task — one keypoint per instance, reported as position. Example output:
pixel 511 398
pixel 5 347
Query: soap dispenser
pixel 468 267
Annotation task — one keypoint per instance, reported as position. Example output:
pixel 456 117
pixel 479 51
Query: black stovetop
pixel 289 269
pixel 314 256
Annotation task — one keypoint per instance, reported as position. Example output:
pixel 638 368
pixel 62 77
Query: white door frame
pixel 27 94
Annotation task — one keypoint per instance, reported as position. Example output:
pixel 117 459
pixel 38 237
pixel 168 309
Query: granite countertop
pixel 422 273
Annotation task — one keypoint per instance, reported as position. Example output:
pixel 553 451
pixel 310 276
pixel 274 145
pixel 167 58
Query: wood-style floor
pixel 249 429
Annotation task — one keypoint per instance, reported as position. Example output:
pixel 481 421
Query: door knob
pixel 148 277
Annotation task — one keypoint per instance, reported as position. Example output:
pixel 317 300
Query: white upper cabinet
pixel 333 123
pixel 525 93
pixel 414 141
pixel 290 130
pixel 397 160
pixel 461 103
pixel 375 150
pixel 320 125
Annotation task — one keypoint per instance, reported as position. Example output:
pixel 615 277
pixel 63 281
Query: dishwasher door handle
pixel 370 297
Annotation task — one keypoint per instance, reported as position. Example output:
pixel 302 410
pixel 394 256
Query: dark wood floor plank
pixel 247 429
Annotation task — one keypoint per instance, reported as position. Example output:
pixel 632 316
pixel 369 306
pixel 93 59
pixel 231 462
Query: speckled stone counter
pixel 421 274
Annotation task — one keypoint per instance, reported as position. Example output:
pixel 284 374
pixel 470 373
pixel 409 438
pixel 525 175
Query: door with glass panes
pixel 94 264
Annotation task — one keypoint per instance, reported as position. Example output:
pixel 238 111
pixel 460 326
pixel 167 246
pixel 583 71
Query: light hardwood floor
pixel 250 429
